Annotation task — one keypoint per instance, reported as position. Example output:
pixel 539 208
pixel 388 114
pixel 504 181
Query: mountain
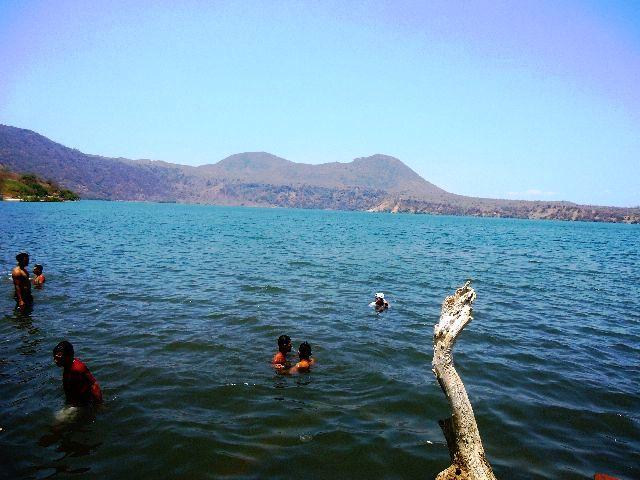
pixel 229 181
pixel 378 172
pixel 375 183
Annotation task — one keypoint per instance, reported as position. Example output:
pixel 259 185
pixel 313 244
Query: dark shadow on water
pixel 22 321
pixel 280 381
pixel 28 310
pixel 70 435
pixel 283 379
pixel 58 469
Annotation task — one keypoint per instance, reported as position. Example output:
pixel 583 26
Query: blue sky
pixel 531 100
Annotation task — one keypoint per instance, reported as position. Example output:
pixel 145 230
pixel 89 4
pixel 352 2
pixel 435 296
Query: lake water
pixel 176 310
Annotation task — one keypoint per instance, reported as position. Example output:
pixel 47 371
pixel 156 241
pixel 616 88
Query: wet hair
pixel 65 347
pixel 37 265
pixel 304 351
pixel 21 255
pixel 283 340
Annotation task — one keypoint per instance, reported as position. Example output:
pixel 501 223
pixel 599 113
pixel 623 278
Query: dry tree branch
pixel 468 460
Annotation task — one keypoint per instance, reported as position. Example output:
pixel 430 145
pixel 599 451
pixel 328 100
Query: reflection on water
pixel 44 471
pixel 72 435
pixel 31 338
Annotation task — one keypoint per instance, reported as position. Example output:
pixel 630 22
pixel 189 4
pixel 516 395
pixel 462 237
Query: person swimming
pixel 279 360
pixel 380 304
pixel 80 386
pixel 38 276
pixel 304 365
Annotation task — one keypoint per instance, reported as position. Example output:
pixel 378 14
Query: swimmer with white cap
pixel 380 304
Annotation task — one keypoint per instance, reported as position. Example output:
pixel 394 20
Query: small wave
pixel 301 263
pixel 263 289
pixel 305 437
pixel 188 346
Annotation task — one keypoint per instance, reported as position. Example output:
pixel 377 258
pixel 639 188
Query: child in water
pixel 304 365
pixel 38 276
pixel 80 387
pixel 284 346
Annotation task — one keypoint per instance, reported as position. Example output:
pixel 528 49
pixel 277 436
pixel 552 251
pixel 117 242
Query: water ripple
pixel 176 309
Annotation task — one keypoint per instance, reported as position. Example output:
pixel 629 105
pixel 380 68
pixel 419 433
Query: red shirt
pixel 77 382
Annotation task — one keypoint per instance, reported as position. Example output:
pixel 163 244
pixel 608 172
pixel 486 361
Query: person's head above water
pixel 63 353
pixel 284 343
pixel 23 259
pixel 37 269
pixel 304 351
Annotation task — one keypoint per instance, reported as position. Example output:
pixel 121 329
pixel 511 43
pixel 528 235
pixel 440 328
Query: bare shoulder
pixel 303 365
pixel 18 274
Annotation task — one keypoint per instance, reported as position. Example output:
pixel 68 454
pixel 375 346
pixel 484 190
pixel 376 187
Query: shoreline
pixel 374 210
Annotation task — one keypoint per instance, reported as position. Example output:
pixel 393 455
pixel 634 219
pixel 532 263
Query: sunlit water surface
pixel 176 310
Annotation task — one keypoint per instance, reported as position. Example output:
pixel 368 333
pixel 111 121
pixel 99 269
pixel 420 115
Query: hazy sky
pixel 532 100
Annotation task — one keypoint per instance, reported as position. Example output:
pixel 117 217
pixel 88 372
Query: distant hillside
pixel 377 183
pixel 89 175
pixel 30 188
pixel 378 172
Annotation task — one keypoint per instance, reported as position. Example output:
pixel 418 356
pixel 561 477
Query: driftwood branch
pixel 468 460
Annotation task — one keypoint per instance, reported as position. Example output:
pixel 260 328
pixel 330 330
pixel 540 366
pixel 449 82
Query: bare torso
pixel 22 286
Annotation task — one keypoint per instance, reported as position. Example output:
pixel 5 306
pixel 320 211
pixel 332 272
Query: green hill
pixel 30 188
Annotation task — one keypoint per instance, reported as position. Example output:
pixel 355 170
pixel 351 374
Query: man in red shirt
pixel 80 387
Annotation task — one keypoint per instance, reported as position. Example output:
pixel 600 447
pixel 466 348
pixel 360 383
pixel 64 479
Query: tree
pixel 468 461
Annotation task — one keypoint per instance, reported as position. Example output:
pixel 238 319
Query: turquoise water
pixel 176 310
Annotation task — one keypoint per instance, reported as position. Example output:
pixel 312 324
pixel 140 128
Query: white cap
pixel 379 295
